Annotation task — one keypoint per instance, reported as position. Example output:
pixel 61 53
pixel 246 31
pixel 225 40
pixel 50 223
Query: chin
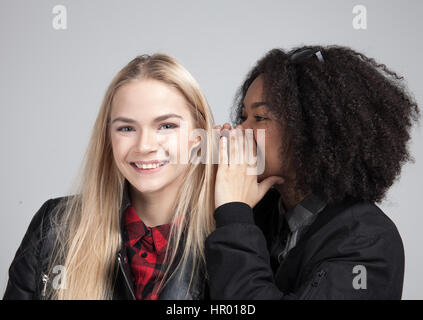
pixel 148 187
pixel 147 190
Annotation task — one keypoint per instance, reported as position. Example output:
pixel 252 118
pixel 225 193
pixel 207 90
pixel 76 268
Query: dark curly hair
pixel 348 119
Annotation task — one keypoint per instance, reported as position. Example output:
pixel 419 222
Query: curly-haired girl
pixel 336 126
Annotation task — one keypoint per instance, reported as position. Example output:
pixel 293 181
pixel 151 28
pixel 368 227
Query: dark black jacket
pixel 27 273
pixel 352 250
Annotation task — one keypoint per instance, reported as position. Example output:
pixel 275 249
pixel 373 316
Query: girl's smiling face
pixel 145 126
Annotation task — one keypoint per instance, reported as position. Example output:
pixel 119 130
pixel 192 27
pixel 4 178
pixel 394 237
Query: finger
pixel 232 151
pixel 227 126
pixel 260 146
pixel 267 183
pixel 236 147
pixel 223 152
pixel 250 149
pixel 240 145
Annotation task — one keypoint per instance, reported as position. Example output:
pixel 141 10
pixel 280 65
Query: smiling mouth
pixel 149 166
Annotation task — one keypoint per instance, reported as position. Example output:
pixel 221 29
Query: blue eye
pixel 168 126
pixel 125 129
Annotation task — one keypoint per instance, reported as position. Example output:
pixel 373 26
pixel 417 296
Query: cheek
pixel 273 149
pixel 168 146
pixel 120 148
pixel 170 141
pixel 265 136
pixel 275 159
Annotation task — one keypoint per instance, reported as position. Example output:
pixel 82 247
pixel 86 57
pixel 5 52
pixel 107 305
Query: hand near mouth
pixel 233 184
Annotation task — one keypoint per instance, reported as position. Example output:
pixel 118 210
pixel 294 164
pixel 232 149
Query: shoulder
pixel 46 210
pixel 39 229
pixel 363 218
pixel 40 223
pixel 24 269
pixel 356 228
pixel 358 234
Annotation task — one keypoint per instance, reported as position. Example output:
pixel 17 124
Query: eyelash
pixel 173 126
pixel 121 129
pixel 258 118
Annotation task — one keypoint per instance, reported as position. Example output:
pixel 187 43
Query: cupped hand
pixel 233 183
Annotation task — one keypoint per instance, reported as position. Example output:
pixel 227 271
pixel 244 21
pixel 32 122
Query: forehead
pixel 254 92
pixel 148 97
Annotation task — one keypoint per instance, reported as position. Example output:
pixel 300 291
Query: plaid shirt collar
pixel 134 234
pixel 136 230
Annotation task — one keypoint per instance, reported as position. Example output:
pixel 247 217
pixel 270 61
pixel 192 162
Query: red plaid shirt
pixel 146 248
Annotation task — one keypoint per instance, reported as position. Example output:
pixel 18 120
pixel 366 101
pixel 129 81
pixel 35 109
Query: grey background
pixel 52 83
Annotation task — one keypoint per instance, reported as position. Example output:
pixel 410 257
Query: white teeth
pixel 150 165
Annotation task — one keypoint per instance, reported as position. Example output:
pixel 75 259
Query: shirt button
pixel 144 254
pixel 148 233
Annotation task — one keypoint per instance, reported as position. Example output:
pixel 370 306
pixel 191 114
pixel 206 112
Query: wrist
pixel 233 212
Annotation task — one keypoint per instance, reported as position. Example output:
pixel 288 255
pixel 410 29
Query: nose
pixel 247 124
pixel 148 141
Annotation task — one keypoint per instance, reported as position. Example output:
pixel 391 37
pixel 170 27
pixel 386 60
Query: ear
pixel 195 146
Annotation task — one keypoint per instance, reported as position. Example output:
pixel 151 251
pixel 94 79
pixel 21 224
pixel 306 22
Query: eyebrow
pixel 158 119
pixel 257 104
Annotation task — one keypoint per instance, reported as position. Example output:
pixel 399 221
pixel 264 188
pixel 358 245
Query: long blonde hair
pixel 91 217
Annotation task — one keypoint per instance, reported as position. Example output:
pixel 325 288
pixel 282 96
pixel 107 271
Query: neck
pixel 290 197
pixel 154 208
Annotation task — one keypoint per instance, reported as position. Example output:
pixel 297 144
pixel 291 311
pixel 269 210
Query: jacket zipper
pixel 124 275
pixel 314 284
pixel 44 279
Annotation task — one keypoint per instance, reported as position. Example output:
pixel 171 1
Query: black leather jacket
pixel 27 273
